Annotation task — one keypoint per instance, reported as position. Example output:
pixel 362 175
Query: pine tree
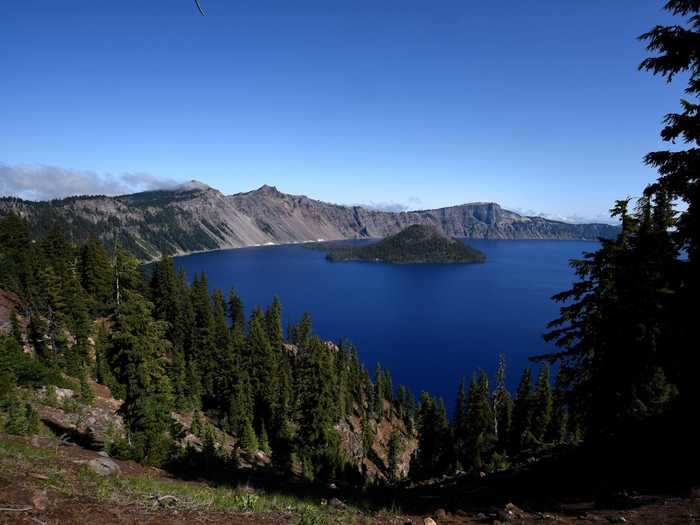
pixel 558 422
pixel 502 407
pixel 302 332
pixel 103 367
pixel 388 386
pixel 273 324
pixel 378 392
pixel 479 422
pixel 522 413
pixel 318 411
pixel 262 362
pixel 394 451
pixel 139 347
pixel 542 405
pixel 16 328
pixel 240 412
pixel 96 275
pixel 203 342
pixel 434 448
pixel 33 421
pixel 236 314
pixel 86 394
pixel 264 440
pixel 460 428
pixel 224 352
pixel 612 330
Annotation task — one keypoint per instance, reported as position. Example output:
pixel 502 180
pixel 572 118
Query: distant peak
pixel 193 185
pixel 266 188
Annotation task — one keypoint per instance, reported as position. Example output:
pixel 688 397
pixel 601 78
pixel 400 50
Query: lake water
pixel 430 324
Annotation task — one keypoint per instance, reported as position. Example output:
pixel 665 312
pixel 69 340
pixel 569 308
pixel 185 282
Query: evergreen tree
pixel 460 426
pixel 302 332
pixel 16 328
pixel 522 413
pixel 433 453
pixel 139 347
pixel 479 422
pixel 612 330
pixel 273 324
pixel 264 441
pixel 556 429
pixel 236 314
pixel 203 341
pixel 502 407
pixel 86 395
pixel 247 439
pixel 262 363
pixel 379 395
pixel 542 405
pixel 96 275
pixel 675 49
pixel 387 386
pixel 318 411
pixel 394 451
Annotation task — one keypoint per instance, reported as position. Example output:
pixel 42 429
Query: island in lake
pixel 415 244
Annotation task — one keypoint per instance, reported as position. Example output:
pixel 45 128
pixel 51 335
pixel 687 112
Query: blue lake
pixel 430 324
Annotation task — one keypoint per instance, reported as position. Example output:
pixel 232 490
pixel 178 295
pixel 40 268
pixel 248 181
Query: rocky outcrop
pixel 196 217
pixel 375 461
pixel 9 302
pixel 92 426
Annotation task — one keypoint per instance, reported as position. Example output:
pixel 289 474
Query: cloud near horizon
pixel 413 203
pixel 40 182
pixel 573 218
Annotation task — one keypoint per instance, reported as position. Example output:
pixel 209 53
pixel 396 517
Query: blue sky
pixel 536 104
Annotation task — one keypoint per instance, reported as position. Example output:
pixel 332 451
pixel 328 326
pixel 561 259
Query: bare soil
pixel 30 493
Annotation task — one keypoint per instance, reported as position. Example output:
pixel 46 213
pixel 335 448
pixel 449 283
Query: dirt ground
pixel 30 495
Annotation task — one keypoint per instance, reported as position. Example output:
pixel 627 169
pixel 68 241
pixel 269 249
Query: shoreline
pixel 323 241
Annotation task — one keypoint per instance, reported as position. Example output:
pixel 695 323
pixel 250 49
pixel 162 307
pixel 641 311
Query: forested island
pixel 417 244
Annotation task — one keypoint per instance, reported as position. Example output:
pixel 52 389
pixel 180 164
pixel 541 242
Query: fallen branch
pixel 9 509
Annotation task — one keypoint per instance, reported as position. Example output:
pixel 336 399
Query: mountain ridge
pixel 196 217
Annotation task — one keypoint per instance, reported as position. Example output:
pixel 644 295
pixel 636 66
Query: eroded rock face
pixel 202 218
pixel 93 426
pixel 375 461
pixel 9 302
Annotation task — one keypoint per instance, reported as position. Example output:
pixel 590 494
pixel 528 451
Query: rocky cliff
pixel 196 217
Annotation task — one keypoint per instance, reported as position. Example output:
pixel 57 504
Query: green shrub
pixel 311 516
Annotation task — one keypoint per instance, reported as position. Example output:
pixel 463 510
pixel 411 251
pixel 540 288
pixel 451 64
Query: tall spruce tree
pixel 522 412
pixel 542 404
pixel 460 427
pixel 675 48
pixel 479 422
pixel 556 430
pixel 434 448
pixel 96 275
pixel 138 351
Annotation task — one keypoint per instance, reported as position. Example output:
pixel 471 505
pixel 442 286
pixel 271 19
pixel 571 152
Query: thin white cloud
pixel 392 206
pixel 39 182
pixel 573 218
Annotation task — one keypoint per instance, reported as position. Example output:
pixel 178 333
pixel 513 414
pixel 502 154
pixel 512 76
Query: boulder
pixel 336 503
pixel 103 466
pixel 429 521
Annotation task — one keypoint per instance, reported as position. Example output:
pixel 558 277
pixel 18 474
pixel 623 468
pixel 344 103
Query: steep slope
pixel 196 217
